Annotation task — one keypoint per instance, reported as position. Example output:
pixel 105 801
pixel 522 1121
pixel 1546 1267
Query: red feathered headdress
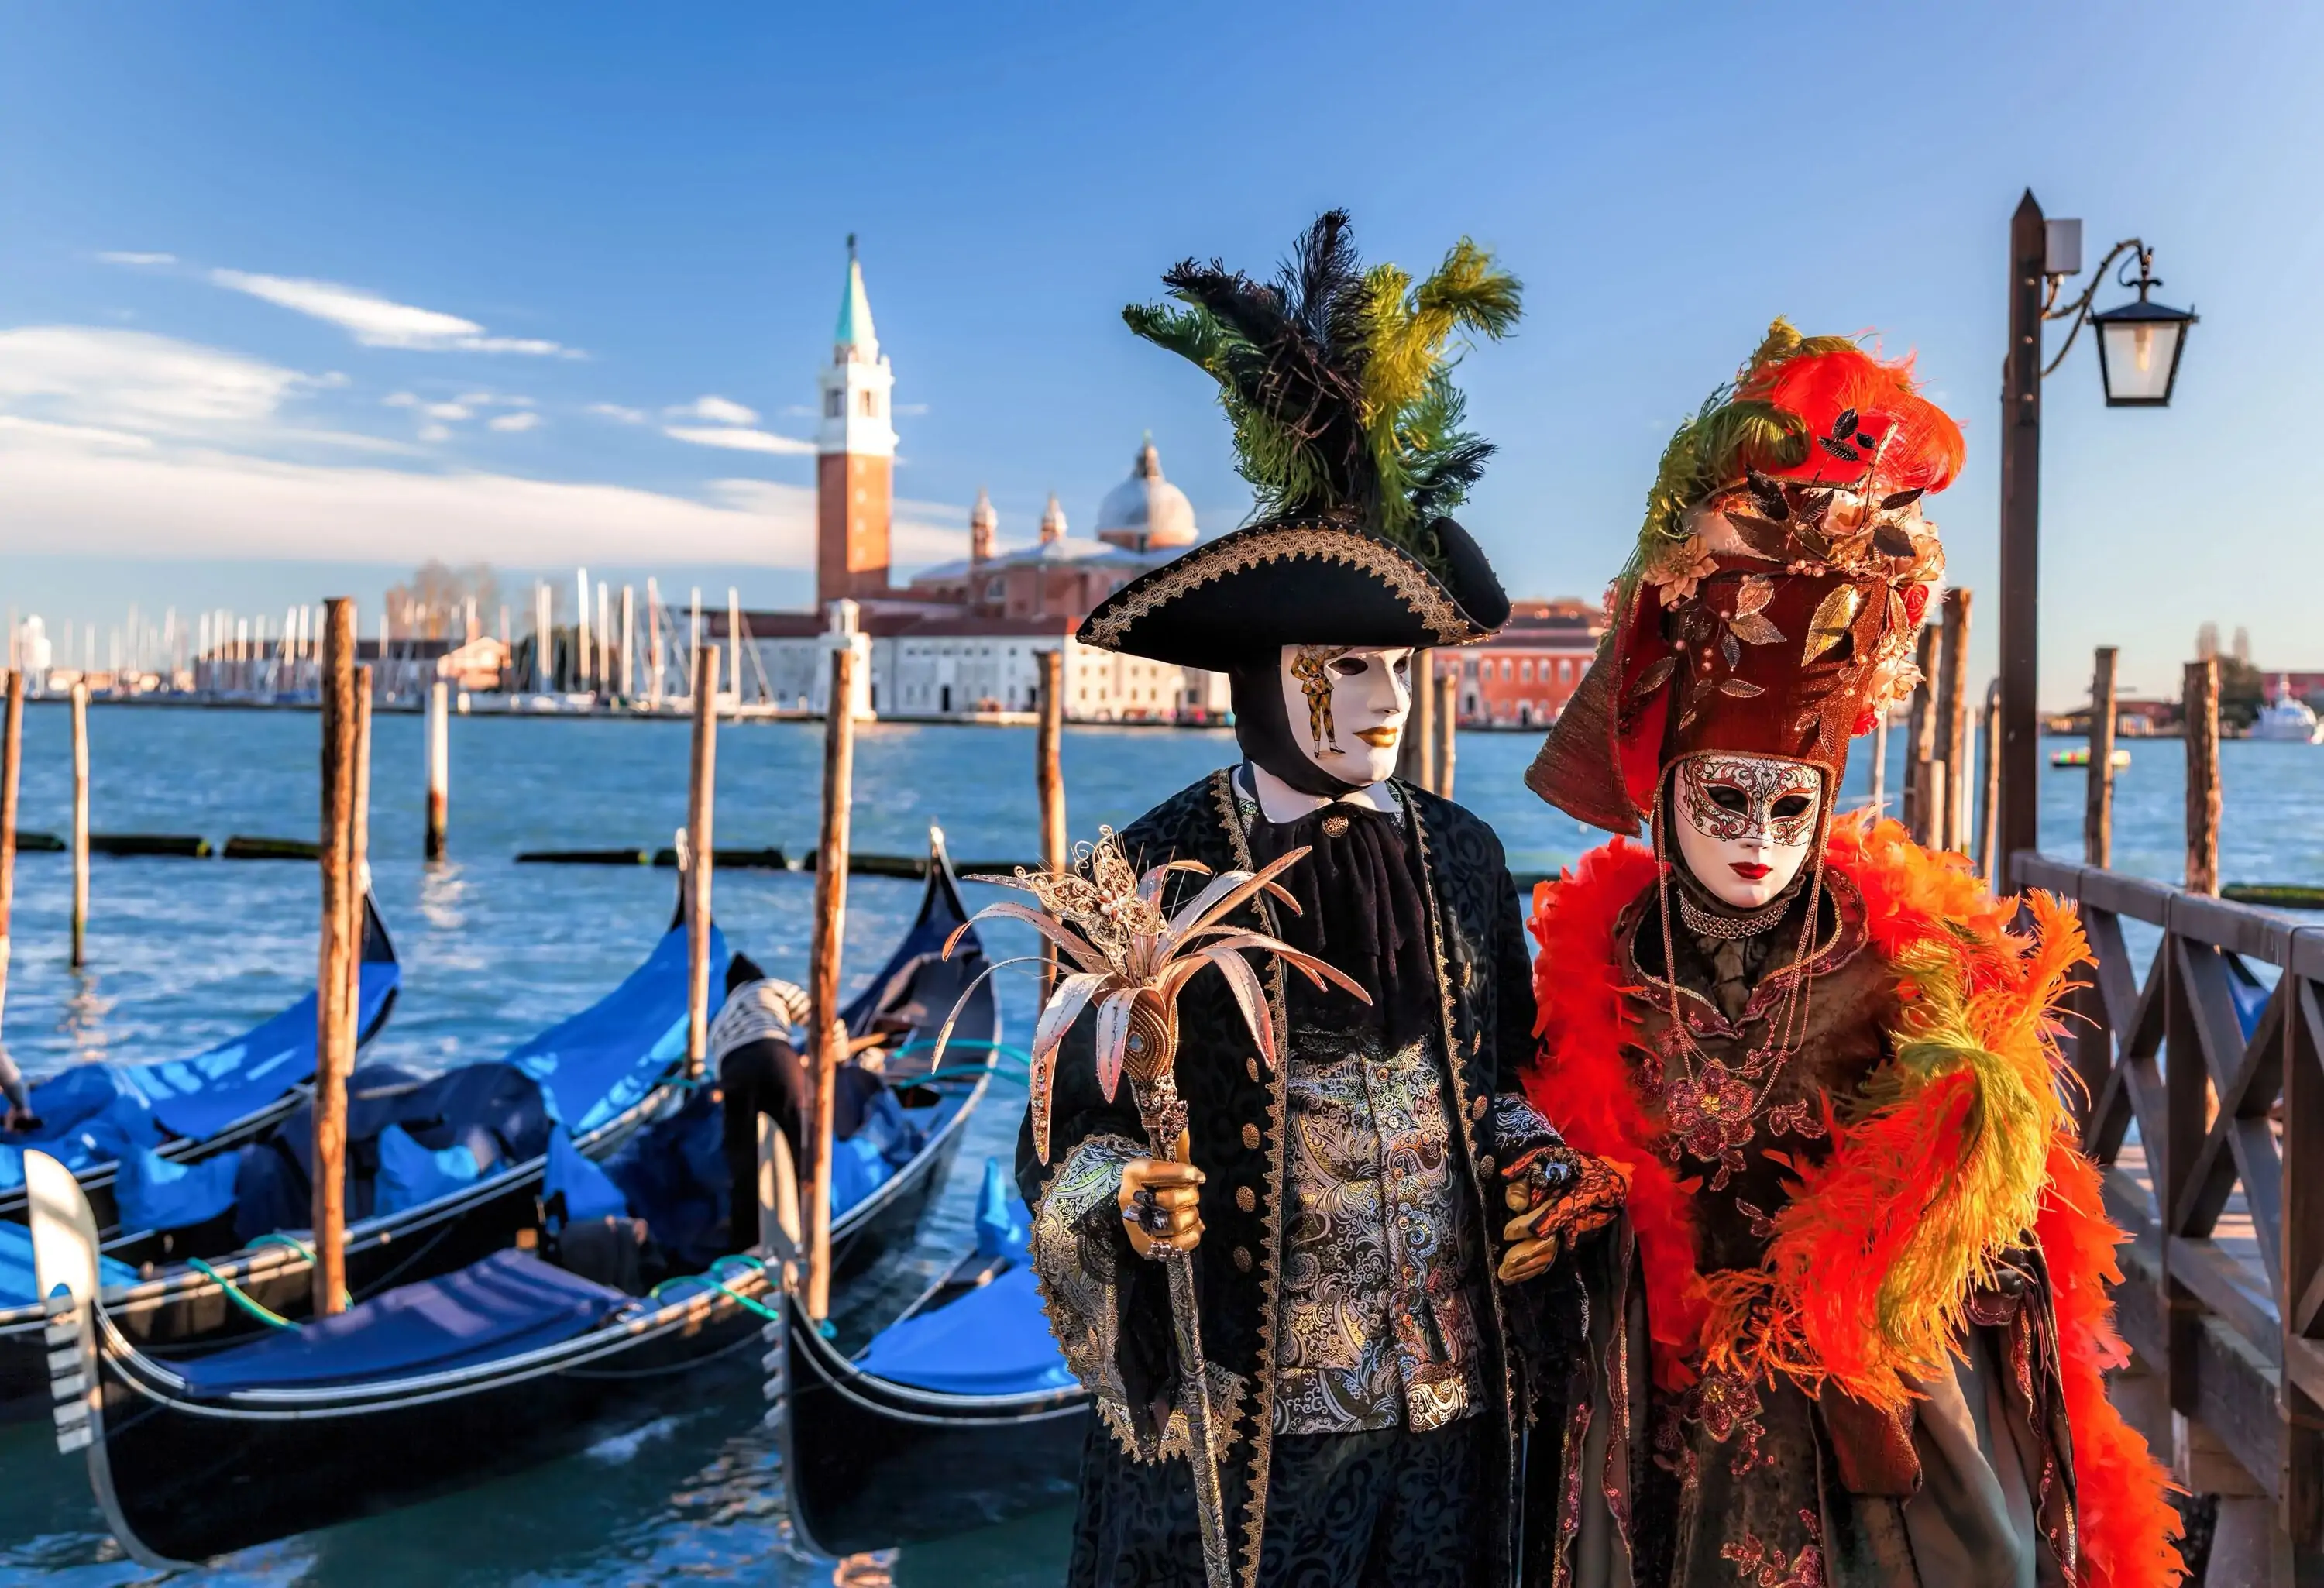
pixel 1783 567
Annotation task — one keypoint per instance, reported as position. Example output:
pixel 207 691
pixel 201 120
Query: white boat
pixel 2288 720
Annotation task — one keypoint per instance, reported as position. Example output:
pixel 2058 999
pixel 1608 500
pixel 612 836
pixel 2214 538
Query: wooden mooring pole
pixel 829 1046
pixel 1415 758
pixel 2200 707
pixel 1923 815
pixel 79 824
pixel 1879 796
pixel 439 766
pixel 701 800
pixel 1049 784
pixel 358 859
pixel 335 1032
pixel 2097 810
pixel 12 761
pixel 1953 718
pixel 1448 727
pixel 1988 807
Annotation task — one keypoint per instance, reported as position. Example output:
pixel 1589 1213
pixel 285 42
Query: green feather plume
pixel 1338 379
pixel 1708 451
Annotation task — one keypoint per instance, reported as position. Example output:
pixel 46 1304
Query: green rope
pixel 715 1281
pixel 292 1241
pixel 264 1315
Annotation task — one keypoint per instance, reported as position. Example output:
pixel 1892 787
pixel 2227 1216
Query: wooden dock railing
pixel 2206 1110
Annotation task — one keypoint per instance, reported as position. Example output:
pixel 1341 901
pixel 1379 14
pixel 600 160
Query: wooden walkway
pixel 2206 1105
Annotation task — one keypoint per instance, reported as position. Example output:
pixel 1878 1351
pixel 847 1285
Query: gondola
pixel 959 1414
pixel 433 1385
pixel 187 1110
pixel 218 1271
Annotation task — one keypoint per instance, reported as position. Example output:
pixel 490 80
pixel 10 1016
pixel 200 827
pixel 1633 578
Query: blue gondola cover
pixel 994 1341
pixel 509 1303
pixel 603 1060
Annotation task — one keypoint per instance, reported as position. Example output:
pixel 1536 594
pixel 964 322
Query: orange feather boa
pixel 1876 1251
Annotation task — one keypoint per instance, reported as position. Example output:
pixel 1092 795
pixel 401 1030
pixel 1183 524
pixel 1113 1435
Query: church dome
pixel 1146 513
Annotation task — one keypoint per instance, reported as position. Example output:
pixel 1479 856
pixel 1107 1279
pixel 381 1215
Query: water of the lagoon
pixel 182 952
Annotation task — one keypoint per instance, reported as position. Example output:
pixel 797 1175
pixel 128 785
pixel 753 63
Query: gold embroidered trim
pixel 1406 579
pixel 1480 1165
pixel 1270 1256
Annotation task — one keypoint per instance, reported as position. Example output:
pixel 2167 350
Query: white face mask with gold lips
pixel 1346 708
pixel 1745 824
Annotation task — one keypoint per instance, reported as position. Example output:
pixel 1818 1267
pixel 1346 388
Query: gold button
pixel 1484 1163
pixel 1251 1137
pixel 1242 1258
pixel 1251 1064
pixel 1477 1109
pixel 1246 1198
pixel 1334 826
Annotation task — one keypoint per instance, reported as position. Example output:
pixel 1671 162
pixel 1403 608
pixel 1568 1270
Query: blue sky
pixel 293 297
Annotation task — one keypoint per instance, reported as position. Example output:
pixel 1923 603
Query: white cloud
pixel 381 322
pixel 617 413
pixel 137 381
pixel 717 410
pixel 740 440
pixel 119 257
pixel 119 444
pixel 522 419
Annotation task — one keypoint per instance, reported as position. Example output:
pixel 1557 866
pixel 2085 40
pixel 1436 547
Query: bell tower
pixel 855 455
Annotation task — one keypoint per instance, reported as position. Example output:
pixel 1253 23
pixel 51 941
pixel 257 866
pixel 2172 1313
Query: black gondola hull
pixel 191 1488
pixel 869 1465
pixel 196 1316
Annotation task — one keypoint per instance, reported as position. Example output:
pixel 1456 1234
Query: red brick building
pixel 1522 677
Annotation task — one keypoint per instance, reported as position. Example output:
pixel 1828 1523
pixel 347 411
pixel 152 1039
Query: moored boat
pixel 213 1253
pixel 502 1363
pixel 959 1414
pixel 187 1110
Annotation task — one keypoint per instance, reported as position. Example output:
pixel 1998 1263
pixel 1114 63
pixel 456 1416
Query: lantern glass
pixel 2139 345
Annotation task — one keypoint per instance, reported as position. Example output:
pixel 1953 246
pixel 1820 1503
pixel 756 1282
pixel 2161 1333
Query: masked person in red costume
pixel 1852 1328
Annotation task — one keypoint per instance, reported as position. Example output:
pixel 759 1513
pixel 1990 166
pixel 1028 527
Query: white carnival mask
pixel 1745 824
pixel 1346 707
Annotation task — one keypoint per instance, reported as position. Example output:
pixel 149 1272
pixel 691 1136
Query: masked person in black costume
pixel 1375 1223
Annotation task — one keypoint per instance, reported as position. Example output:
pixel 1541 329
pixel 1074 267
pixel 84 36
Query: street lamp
pixel 2139 348
pixel 2139 345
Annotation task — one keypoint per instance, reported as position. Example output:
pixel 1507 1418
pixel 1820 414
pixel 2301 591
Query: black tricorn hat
pixel 1347 424
pixel 1245 596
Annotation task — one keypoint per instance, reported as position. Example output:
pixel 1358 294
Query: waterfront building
pixel 1523 677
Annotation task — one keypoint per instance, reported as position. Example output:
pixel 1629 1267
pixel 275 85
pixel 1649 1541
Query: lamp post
pixel 2139 348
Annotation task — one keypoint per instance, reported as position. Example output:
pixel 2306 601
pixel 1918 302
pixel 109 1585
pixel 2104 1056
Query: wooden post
pixel 359 858
pixel 829 1036
pixel 2200 707
pixel 335 1034
pixel 1953 718
pixel 1049 783
pixel 439 767
pixel 700 799
pixel 11 760
pixel 2021 531
pixel 2097 812
pixel 1415 760
pixel 1879 799
pixel 1448 727
pixel 1922 815
pixel 80 823
pixel 1988 805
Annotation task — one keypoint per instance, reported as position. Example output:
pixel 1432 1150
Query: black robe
pixel 1483 973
